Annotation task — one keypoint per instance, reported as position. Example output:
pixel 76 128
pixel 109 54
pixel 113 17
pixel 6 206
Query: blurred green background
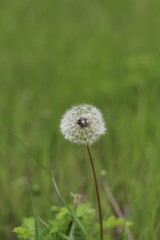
pixel 55 54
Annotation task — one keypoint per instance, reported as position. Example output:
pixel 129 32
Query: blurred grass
pixel 55 54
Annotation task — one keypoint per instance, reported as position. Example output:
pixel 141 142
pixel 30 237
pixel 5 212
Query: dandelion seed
pixel 83 124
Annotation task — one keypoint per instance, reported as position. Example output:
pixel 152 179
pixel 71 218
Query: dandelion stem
pixel 97 192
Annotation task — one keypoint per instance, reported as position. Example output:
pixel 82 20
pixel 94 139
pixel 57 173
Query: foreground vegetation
pixel 56 54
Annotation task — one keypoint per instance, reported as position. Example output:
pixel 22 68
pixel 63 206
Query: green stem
pixel 97 192
pixel 114 204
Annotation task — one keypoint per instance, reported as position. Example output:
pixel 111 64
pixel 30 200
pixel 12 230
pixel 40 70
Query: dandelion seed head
pixel 83 124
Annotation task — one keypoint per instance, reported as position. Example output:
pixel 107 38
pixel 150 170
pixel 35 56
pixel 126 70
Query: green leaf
pixel 55 208
pixel 26 231
pixel 67 206
pixel 112 221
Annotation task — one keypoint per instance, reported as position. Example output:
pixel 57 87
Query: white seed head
pixel 83 124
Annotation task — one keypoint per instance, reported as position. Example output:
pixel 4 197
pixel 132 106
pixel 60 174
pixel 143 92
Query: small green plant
pixel 63 226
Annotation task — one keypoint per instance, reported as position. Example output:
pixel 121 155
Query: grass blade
pixel 31 154
pixel 35 215
pixel 43 222
pixel 64 236
pixel 67 206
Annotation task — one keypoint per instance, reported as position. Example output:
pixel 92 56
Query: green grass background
pixel 55 54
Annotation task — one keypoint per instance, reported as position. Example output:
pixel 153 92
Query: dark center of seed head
pixel 82 122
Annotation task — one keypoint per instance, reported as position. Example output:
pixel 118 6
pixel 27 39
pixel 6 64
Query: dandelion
pixel 84 124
